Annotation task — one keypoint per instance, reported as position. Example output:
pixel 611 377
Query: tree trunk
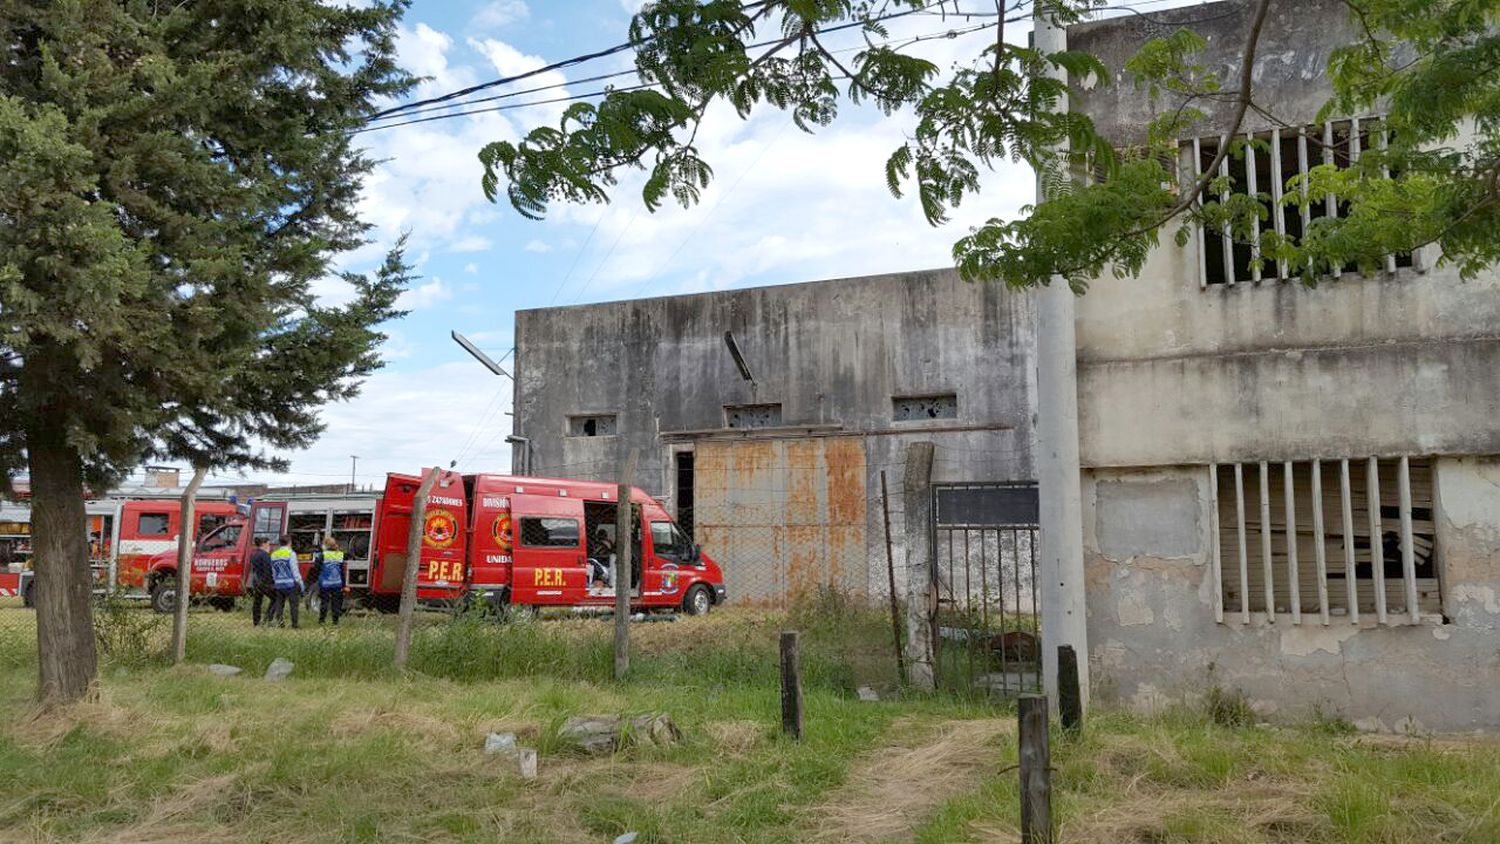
pixel 67 659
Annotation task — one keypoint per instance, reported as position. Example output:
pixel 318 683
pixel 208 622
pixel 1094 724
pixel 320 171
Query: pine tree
pixel 173 176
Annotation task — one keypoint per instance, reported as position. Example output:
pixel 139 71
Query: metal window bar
pixel 1383 143
pixel 1408 553
pixel 1227 238
pixel 1267 572
pixel 1239 512
pixel 1294 576
pixel 1351 583
pixel 1252 184
pixel 1377 556
pixel 1278 183
pixel 1218 551
pixel 1198 227
pixel 1320 551
pixel 1304 207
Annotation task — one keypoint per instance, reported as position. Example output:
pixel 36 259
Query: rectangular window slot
pixel 598 425
pixel 752 415
pixel 914 408
pixel 1326 542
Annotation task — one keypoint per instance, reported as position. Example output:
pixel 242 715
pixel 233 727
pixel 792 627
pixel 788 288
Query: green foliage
pixel 1436 63
pixel 173 177
pixel 125 634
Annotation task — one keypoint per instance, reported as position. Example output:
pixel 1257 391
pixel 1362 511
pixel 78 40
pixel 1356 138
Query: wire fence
pixel 805 542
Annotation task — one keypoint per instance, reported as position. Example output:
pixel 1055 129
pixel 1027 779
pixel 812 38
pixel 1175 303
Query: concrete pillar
pixel 1060 568
pixel 921 595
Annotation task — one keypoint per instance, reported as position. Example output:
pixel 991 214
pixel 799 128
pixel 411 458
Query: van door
pixel 267 520
pixel 442 570
pixel 550 567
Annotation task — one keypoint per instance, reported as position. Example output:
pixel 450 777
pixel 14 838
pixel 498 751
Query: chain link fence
pixel 811 539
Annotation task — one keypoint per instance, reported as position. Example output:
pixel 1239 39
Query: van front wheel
pixel 698 601
pixel 164 595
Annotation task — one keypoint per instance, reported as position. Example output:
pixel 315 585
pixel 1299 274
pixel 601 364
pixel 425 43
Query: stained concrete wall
pixel 1173 377
pixel 832 353
pixel 1155 643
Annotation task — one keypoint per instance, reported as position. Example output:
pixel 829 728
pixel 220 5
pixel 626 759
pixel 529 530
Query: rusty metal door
pixel 783 517
pixel 984 539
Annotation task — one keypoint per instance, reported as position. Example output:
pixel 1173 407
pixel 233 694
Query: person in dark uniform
pixel 260 587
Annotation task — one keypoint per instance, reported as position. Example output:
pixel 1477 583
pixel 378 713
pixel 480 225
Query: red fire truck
pixel 538 542
pixel 497 538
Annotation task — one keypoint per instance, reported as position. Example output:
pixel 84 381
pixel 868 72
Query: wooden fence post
pixel 1036 774
pixel 623 547
pixel 1069 696
pixel 791 685
pixel 890 578
pixel 186 542
pixel 413 562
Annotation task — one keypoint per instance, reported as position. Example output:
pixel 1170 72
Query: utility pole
pixel 353 462
pixel 1061 565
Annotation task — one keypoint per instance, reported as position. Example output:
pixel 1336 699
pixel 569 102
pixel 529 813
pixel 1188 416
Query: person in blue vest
pixel 330 578
pixel 286 579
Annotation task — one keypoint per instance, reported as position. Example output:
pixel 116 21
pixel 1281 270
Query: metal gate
pixel 984 552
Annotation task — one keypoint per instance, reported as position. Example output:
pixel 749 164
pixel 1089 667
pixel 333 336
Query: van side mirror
pixel 697 553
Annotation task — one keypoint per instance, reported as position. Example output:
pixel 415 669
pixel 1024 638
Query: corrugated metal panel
pixel 783 517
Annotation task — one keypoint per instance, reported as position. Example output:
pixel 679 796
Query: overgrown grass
pixel 346 750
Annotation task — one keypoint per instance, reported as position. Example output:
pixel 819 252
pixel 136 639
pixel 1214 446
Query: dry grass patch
pixel 896 786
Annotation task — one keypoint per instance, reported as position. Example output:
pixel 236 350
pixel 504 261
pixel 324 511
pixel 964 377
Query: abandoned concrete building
pixel 1291 492
pixel 765 417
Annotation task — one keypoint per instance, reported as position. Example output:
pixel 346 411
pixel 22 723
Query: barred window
pixel 1326 541
pixel 549 533
pixel 752 415
pixel 1270 159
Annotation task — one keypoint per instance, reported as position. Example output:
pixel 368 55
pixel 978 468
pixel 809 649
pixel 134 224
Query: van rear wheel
pixel 698 601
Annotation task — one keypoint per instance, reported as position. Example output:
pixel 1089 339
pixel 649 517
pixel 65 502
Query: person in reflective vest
pixel 286 579
pixel 331 581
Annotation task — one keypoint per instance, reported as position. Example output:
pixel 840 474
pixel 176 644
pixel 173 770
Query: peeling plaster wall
pixel 1154 641
pixel 832 353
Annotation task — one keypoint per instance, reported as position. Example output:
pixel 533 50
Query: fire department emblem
pixel 500 532
pixel 440 529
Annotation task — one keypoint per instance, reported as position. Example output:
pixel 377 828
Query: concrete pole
pixel 1061 567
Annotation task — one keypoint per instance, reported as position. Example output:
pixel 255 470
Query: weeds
pixel 1227 708
pixel 127 636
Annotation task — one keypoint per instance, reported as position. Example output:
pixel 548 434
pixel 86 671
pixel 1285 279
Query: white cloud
pixel 509 61
pixel 499 13
pixel 404 421
pixel 536 246
pixel 471 268
pixel 425 296
pixel 472 243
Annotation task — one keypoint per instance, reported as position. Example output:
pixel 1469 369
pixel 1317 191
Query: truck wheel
pixel 164 595
pixel 698 600
pixel 28 597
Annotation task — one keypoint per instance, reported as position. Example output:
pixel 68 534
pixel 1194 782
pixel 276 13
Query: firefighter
pixel 260 587
pixel 287 580
pixel 330 579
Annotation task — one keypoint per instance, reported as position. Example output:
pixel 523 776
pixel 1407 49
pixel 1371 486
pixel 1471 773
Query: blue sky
pixel 784 207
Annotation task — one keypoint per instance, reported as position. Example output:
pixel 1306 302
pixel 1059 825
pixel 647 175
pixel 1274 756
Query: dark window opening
pixel 601 425
pixel 912 408
pixel 685 491
pixel 153 524
pixel 549 533
pixel 752 415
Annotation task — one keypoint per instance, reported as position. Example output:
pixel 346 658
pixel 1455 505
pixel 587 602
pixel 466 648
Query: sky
pixel 785 206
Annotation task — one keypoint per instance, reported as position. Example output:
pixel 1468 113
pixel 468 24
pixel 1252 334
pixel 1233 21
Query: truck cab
pixel 220 557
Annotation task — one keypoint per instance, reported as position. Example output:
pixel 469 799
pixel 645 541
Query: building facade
pixel 765 418
pixel 1289 492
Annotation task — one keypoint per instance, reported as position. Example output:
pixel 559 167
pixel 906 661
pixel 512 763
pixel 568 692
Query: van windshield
pixel 227 536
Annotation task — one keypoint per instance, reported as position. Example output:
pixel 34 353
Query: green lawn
pixel 347 751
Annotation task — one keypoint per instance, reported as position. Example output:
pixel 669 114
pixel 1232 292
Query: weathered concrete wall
pixel 832 353
pixel 1290 76
pixel 1155 643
